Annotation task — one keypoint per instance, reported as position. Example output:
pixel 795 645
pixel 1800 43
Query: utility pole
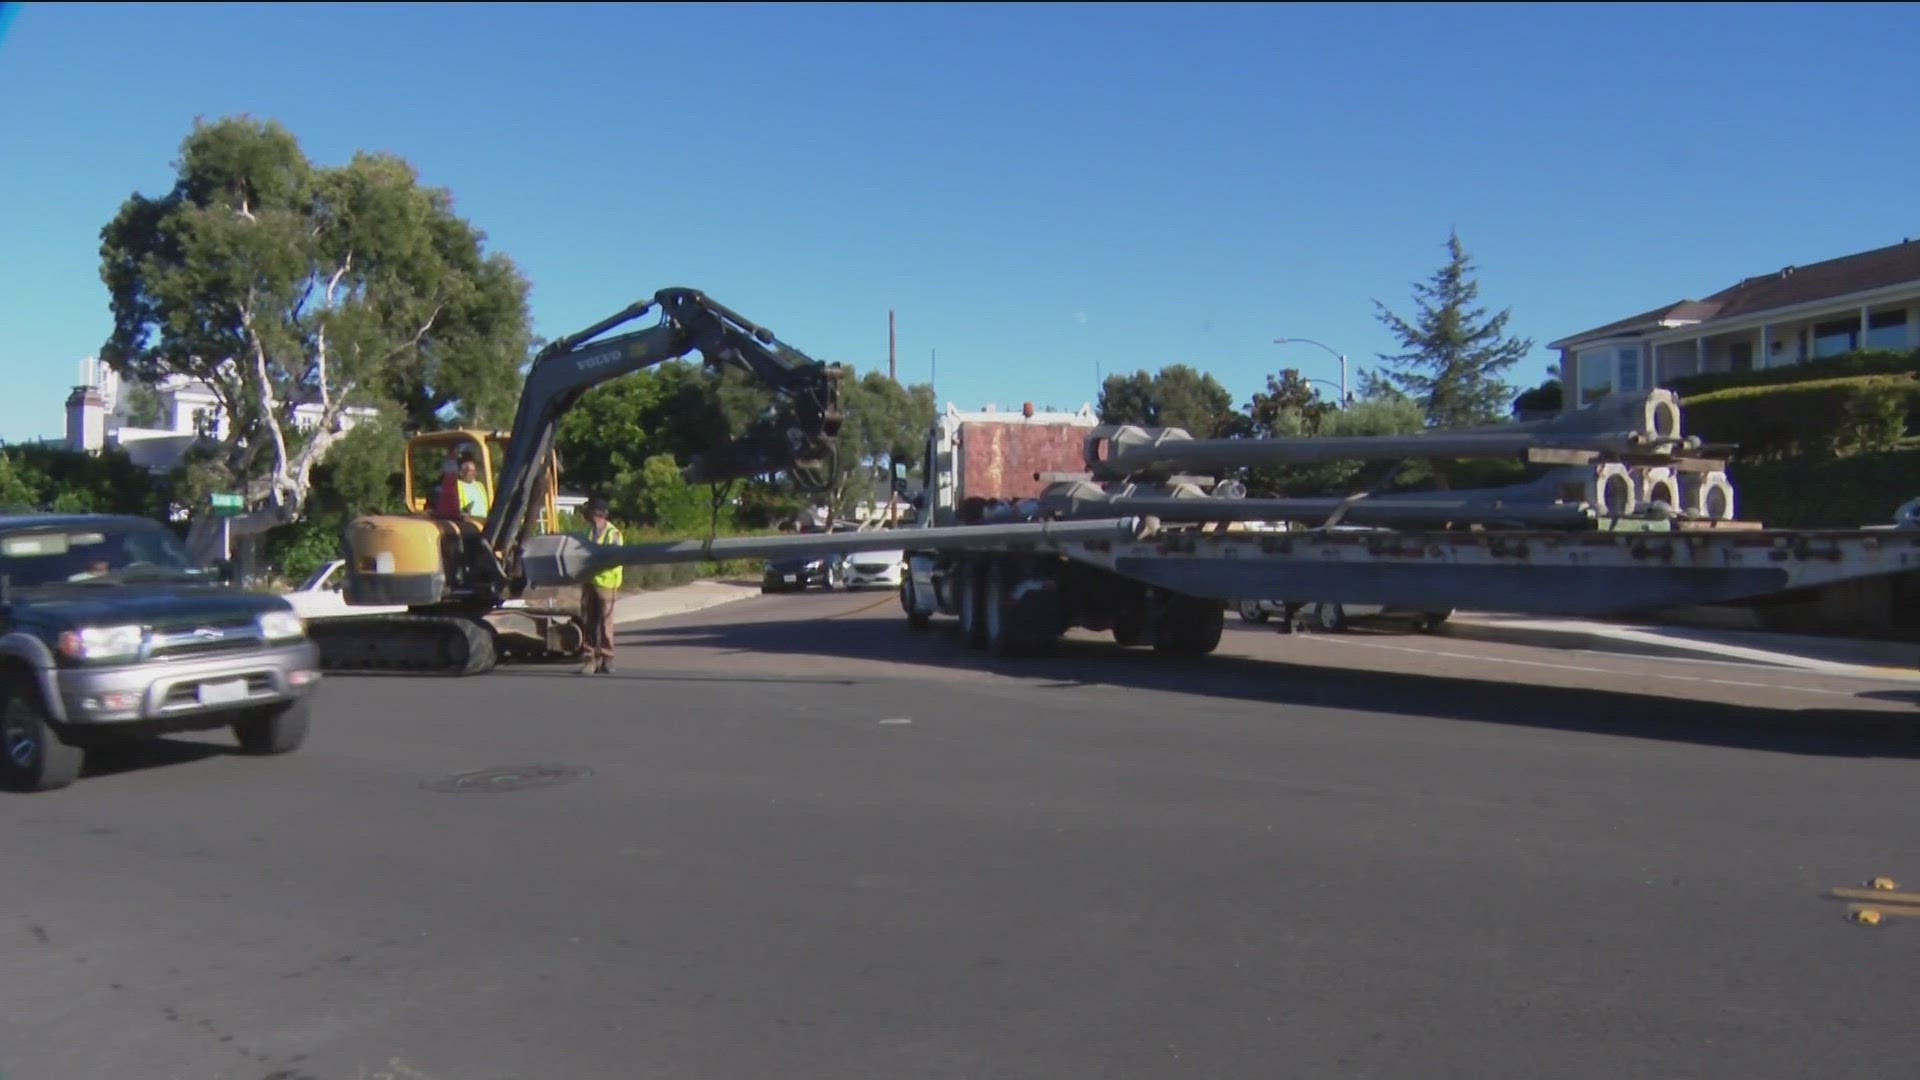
pixel 893 371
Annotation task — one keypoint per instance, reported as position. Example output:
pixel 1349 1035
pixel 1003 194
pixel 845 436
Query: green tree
pixel 1454 351
pixel 1177 396
pixel 140 406
pixel 885 423
pixel 56 478
pixel 1289 406
pixel 1545 398
pixel 1375 414
pixel 615 427
pixel 278 282
pixel 656 495
pixel 15 491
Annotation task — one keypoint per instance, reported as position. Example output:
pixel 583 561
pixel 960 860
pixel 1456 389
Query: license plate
pixel 223 693
pixel 791 577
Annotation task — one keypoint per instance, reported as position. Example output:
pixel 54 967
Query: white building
pixel 97 417
pixel 1868 300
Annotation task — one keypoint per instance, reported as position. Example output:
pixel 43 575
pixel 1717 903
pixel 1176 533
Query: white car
pixel 319 596
pixel 865 568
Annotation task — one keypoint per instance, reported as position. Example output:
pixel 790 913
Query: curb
pixel 1872 659
pixel 680 600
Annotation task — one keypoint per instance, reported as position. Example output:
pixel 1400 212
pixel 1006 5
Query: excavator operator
pixel 473 493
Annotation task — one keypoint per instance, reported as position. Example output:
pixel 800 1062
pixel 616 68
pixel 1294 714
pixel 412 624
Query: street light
pixel 1340 355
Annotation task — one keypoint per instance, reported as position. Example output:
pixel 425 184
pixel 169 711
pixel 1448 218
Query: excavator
pixel 460 578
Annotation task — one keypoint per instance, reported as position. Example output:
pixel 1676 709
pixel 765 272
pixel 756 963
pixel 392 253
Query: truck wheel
pixel 32 757
pixel 276 729
pixel 909 600
pixel 1329 618
pixel 1251 611
pixel 1191 627
pixel 1127 630
pixel 1432 620
pixel 972 597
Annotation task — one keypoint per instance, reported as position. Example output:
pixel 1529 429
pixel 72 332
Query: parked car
pixel 319 597
pixel 109 634
pixel 797 574
pixel 864 568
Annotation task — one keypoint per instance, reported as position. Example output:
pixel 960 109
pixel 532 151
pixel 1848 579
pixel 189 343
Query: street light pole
pixel 1342 357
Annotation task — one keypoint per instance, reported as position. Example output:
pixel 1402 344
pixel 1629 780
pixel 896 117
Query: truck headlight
pixel 282 626
pixel 101 642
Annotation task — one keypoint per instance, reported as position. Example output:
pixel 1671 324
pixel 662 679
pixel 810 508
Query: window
pixel 39 557
pixel 1837 337
pixel 1628 380
pixel 1887 330
pixel 1606 369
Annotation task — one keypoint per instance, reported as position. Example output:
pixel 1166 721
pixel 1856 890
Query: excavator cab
pixel 430 457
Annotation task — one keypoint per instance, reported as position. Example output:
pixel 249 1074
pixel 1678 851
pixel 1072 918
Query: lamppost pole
pixel 1342 357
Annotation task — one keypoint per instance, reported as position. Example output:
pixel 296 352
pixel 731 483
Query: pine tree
pixel 1454 352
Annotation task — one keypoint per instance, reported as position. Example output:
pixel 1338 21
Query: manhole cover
pixel 508 778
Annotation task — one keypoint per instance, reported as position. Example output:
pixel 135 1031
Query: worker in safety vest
pixel 598 593
pixel 473 493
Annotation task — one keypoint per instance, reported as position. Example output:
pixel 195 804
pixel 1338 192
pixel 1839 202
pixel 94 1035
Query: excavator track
pixel 420 644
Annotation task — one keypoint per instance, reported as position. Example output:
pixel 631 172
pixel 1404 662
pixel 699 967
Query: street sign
pixel 227 503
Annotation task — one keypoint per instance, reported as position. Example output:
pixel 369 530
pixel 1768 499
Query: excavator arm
pixel 800 438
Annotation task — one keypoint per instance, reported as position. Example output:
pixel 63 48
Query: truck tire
pixel 1190 627
pixel 994 609
pixel 1251 611
pixel 1329 618
pixel 973 628
pixel 275 729
pixel 32 757
pixel 909 599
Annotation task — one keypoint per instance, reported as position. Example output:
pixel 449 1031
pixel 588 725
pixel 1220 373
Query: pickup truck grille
pixel 204 640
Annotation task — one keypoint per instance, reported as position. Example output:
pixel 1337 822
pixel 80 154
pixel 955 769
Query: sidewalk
pixel 1826 655
pixel 679 600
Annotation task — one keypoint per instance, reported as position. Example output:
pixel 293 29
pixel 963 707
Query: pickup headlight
pixel 282 626
pixel 101 642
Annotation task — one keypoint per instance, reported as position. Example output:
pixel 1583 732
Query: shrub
pixel 1832 416
pixel 1867 362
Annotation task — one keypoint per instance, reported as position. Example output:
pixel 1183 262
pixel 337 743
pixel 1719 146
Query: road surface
pixel 798 840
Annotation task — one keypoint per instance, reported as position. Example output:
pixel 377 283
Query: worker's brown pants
pixel 596 610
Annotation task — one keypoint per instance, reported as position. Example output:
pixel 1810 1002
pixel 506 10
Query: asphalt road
pixel 815 844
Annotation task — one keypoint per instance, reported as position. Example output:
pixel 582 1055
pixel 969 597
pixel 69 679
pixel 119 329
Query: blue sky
pixel 1039 192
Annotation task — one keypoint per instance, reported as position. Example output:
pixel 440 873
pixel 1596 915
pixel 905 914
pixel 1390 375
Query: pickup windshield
pixel 104 554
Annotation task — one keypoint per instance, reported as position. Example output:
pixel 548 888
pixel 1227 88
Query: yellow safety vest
pixel 611 577
pixel 473 498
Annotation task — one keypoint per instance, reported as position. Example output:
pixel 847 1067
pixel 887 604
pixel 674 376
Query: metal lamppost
pixel 1342 357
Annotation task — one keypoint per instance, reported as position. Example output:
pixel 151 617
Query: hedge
pixel 1867 362
pixel 1826 416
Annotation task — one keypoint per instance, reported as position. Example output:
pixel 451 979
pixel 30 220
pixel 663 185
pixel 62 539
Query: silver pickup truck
pixel 108 634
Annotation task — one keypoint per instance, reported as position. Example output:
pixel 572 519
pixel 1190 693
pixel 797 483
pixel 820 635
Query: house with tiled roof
pixel 1870 300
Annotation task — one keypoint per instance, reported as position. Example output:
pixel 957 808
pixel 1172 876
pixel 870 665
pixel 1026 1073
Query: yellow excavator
pixel 460 576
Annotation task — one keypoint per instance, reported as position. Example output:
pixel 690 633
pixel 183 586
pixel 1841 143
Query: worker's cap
pixel 598 505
